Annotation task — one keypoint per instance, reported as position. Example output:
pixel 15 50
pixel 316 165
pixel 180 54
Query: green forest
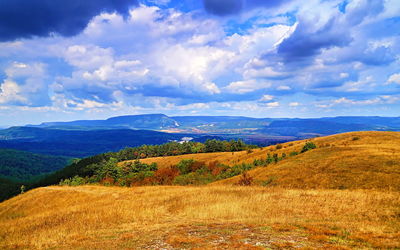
pixel 24 166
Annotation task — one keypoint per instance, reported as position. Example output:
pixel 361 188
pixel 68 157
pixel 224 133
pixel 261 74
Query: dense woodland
pixel 24 166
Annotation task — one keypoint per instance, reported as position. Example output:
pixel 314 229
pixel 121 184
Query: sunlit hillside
pixel 221 217
pixel 342 194
pixel 368 160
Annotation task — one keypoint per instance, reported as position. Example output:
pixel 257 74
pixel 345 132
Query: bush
pixel 245 180
pixel 294 153
pixel 356 138
pixel 275 157
pixel 279 146
pixel 308 146
pixel 74 181
pixel 259 162
pixel 165 176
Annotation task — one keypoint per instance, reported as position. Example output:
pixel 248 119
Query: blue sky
pixel 67 60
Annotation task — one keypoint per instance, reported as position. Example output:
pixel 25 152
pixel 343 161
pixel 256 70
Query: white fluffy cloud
pixel 166 59
pixel 395 78
pixel 24 85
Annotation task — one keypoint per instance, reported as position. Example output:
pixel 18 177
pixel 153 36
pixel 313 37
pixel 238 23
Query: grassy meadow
pixel 345 194
pixel 95 217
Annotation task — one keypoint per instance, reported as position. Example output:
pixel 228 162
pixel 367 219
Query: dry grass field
pixel 340 162
pixel 344 194
pixel 213 217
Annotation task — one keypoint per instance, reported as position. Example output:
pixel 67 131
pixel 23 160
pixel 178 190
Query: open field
pixel 98 217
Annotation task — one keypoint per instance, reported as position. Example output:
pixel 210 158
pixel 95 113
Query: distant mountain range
pixel 88 137
pixel 234 124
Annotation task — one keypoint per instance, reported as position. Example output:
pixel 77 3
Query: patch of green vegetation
pixel 24 166
pixel 308 146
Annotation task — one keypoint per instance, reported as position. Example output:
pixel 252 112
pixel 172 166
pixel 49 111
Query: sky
pixel 64 60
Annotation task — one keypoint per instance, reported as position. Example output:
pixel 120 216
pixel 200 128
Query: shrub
pixel 294 153
pixel 275 157
pixel 269 159
pixel 74 181
pixel 245 180
pixel 308 146
pixel 279 146
pixel 259 162
pixel 165 176
pixel 356 138
pixel 268 181
pixel 185 165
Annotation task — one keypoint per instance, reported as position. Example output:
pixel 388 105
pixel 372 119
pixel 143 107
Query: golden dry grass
pixel 214 217
pixel 339 162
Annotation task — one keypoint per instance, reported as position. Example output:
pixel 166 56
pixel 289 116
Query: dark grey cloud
pixel 29 18
pixel 229 7
pixel 305 42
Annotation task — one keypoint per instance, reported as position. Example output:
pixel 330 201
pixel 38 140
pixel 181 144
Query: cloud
pixel 266 98
pixel 229 7
pixel 25 85
pixel 174 58
pixel 272 104
pixel 308 40
pixel 27 19
pixel 395 78
pixel 11 93
pixel 242 87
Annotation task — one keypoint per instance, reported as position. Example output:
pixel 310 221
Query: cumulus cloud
pixel 25 85
pixel 26 19
pixel 166 59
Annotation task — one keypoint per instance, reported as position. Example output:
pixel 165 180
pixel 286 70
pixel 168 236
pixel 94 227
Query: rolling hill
pixel 367 160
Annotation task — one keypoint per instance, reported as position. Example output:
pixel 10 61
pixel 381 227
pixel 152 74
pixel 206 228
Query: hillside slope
pixel 95 217
pixel 367 160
